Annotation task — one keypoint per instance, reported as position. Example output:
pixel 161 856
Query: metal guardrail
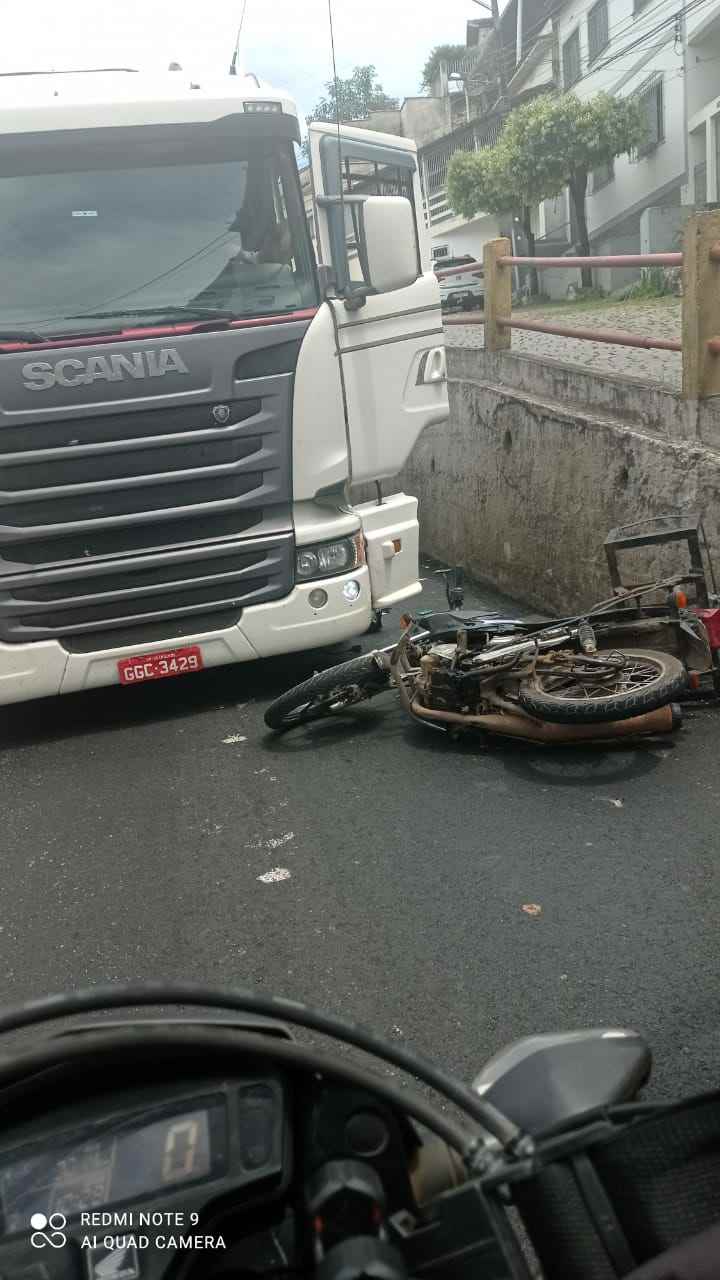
pixel 598 260
pixel 595 260
pixel 700 263
pixel 617 337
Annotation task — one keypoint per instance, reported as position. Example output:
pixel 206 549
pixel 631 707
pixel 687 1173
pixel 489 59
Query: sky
pixel 284 41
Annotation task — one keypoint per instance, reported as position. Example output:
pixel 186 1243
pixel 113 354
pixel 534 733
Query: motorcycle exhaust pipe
pixel 662 720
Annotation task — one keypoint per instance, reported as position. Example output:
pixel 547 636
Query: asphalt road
pixel 137 825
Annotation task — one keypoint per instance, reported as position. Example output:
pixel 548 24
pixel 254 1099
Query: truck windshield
pixel 167 241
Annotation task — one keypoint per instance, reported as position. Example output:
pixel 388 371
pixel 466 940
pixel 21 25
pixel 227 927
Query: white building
pixel 487 72
pixel 665 53
pixel 668 56
pixel 457 115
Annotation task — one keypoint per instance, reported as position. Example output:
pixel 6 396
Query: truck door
pixel 390 345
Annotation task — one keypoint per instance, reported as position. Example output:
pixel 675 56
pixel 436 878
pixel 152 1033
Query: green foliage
pixel 654 282
pixel 441 53
pixel 358 94
pixel 484 181
pixel 545 145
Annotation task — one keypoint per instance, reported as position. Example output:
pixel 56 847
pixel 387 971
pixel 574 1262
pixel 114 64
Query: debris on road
pixel 532 908
pixel 233 738
pixel 277 873
pixel 275 841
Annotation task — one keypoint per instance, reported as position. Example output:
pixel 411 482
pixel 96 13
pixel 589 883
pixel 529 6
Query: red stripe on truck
pixel 152 331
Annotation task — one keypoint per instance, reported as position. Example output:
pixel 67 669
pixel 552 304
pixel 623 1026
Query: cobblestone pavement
pixel 659 318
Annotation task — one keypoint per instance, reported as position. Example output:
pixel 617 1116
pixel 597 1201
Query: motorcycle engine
pixel 442 683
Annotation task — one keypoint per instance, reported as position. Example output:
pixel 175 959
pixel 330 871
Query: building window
pixel 598 31
pixel 650 98
pixel 571 59
pixel 602 175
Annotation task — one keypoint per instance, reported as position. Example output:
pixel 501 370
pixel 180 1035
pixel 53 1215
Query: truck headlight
pixel 330 558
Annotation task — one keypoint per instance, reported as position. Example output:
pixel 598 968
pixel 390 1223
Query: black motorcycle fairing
pixel 445 626
pixel 546 1080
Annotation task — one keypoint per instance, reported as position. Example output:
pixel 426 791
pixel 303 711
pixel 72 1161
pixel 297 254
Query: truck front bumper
pixel 45 668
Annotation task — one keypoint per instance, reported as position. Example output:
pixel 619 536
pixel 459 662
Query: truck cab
pixel 195 378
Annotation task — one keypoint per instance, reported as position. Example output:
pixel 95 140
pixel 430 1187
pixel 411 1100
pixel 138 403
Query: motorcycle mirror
pixel 544 1080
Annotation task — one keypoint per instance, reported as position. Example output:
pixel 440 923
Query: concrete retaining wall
pixel 540 460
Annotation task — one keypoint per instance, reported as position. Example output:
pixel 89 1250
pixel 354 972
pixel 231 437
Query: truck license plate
pixel 157 666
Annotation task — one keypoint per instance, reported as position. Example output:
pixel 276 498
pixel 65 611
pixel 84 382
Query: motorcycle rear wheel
pixel 647 679
pixel 327 692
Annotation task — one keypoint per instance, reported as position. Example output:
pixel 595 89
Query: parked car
pixel 465 289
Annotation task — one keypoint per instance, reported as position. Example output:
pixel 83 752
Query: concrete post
pixel 701 307
pixel 498 294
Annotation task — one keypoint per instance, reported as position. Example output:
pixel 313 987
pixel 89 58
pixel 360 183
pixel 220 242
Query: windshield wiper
pixel 22 335
pixel 189 313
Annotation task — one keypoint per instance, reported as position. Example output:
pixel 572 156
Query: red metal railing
pixel 600 260
pixel 616 337
pixel 442 272
pixel 701 302
pixel 596 260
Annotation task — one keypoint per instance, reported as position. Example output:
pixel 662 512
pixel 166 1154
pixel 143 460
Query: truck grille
pixel 195 581
pixel 125 519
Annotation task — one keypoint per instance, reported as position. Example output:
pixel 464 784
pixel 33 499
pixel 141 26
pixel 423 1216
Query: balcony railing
pixel 435 158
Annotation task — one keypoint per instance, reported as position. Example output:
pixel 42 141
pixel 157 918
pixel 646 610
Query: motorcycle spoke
pixel 575 682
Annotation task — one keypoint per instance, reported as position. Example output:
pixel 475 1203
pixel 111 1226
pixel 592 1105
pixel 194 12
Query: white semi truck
pixel 193 372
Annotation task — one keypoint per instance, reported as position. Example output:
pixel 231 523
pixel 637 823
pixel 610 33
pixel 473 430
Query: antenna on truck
pixel 337 118
pixel 236 51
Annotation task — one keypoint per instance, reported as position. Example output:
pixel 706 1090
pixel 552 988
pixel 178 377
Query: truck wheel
pixel 567 694
pixel 327 692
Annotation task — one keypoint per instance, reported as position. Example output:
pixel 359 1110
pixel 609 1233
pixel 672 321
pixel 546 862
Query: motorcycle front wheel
pixel 328 692
pixel 584 692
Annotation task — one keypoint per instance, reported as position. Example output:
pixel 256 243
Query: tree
pixel 441 53
pixel 485 180
pixel 549 144
pixel 356 96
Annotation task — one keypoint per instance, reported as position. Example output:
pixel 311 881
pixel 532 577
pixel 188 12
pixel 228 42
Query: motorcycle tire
pixel 320 695
pixel 668 682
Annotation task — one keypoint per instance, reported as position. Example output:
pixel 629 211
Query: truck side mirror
pixel 545 1080
pixel 388 224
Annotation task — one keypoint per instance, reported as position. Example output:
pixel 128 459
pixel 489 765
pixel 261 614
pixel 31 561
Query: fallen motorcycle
pixel 565 681
pixel 613 672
